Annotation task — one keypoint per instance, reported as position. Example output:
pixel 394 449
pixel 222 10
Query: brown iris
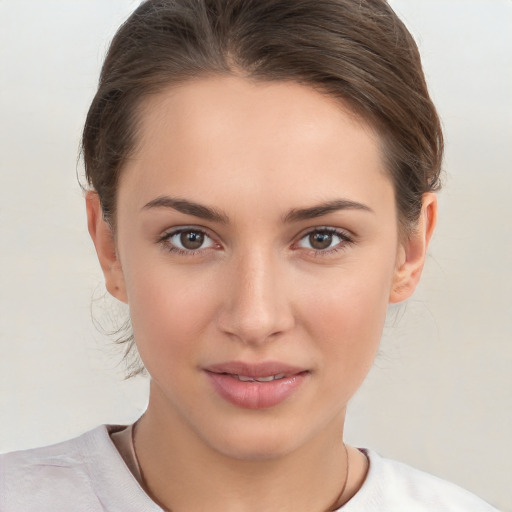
pixel 320 240
pixel 192 239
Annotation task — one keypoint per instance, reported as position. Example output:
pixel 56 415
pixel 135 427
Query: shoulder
pixel 392 485
pixel 85 473
pixel 29 477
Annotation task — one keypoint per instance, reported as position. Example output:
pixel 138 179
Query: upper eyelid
pixel 331 229
pixel 180 229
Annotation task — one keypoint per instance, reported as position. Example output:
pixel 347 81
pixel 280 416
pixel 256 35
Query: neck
pixel 183 472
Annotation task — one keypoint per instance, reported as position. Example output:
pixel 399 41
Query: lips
pixel 255 370
pixel 255 386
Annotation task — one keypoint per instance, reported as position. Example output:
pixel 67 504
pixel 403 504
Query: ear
pixel 412 254
pixel 104 242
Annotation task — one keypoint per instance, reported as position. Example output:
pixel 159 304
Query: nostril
pixel 256 308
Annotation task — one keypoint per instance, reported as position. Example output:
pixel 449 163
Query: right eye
pixel 187 240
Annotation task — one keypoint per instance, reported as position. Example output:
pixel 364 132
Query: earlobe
pixel 412 253
pixel 104 243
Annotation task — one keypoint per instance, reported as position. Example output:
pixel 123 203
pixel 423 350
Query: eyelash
pixel 345 240
pixel 165 240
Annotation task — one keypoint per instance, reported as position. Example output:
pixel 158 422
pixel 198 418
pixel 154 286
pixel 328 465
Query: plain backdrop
pixel 440 394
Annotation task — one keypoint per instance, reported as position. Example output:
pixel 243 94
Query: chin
pixel 257 441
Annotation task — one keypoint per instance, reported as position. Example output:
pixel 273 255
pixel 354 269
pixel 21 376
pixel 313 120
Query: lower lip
pixel 254 394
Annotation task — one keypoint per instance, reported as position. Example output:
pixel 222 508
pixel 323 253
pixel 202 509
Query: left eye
pixel 322 240
pixel 189 240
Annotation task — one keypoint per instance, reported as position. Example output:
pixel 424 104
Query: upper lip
pixel 263 369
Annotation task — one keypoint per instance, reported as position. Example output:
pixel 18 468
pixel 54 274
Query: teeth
pixel 243 378
pixel 270 378
pixel 265 379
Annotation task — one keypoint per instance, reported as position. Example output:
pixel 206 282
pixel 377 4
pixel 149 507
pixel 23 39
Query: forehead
pixel 254 136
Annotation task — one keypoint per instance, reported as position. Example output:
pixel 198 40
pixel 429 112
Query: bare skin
pixel 255 223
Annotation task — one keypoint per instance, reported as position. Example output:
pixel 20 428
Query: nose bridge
pixel 257 305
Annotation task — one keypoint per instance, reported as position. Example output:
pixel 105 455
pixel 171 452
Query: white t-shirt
pixel 88 474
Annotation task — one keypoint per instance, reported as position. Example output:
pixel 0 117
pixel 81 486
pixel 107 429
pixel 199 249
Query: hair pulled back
pixel 355 50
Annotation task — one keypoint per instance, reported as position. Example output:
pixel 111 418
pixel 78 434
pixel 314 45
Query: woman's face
pixel 257 238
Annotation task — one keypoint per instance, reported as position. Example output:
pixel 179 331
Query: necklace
pixel 332 508
pixel 335 505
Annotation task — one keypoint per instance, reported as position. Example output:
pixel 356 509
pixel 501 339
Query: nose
pixel 256 306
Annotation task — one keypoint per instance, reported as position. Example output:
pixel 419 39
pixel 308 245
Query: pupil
pixel 191 239
pixel 320 240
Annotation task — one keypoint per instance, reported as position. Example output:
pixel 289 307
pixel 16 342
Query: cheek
pixel 170 310
pixel 347 319
pixel 350 318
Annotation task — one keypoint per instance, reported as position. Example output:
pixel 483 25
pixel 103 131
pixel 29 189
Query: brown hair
pixel 355 50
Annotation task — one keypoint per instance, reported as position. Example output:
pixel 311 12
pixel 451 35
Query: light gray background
pixel 440 394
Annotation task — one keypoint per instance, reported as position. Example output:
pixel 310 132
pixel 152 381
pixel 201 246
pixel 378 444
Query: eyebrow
pixel 322 209
pixel 188 208
pixel 212 214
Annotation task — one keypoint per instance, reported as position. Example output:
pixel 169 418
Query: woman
pixel 263 180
